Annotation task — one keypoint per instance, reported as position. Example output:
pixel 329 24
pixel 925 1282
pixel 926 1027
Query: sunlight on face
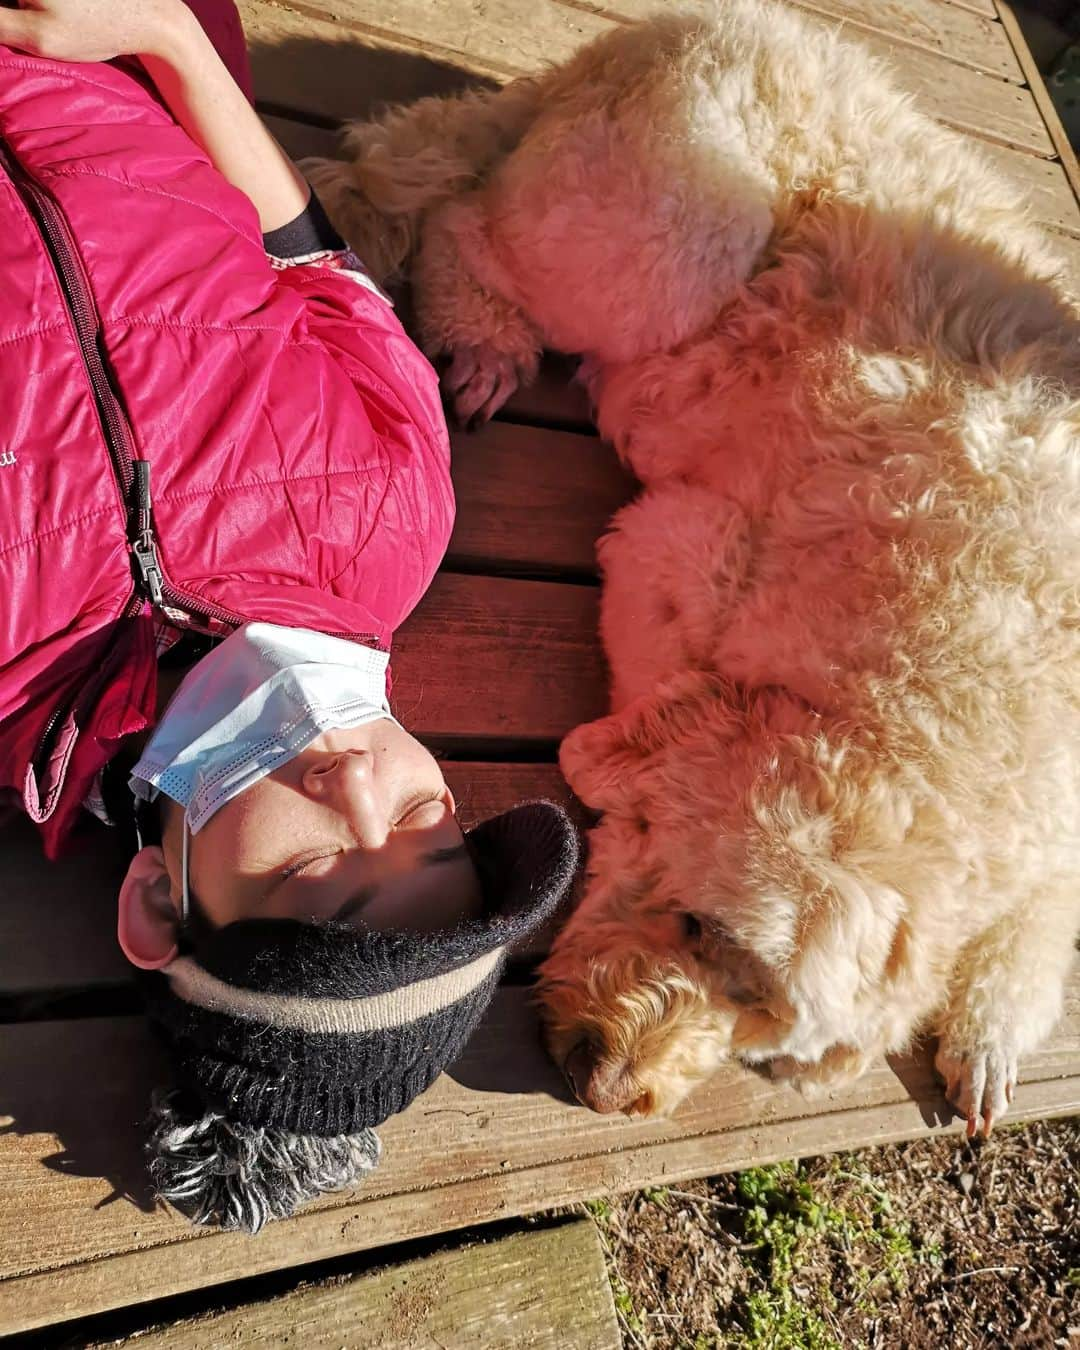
pixel 359 826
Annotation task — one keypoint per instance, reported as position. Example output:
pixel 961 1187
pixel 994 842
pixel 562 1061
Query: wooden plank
pixel 485 659
pixel 554 398
pixel 1039 93
pixel 58 920
pixel 325 66
pixel 934 26
pixel 976 6
pixel 962 99
pixel 1046 187
pixel 966 38
pixel 496 1136
pixel 533 500
pixel 547 1289
pixel 1069 248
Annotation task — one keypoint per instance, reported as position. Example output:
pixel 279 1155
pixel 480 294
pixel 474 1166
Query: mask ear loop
pixel 185 899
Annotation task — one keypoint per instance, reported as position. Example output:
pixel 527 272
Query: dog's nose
pixel 601 1086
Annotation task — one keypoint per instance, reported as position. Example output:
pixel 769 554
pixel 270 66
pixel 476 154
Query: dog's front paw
pixel 477 382
pixel 978 1083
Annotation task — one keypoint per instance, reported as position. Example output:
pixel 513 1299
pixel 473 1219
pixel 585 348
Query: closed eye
pixel 299 865
pixel 357 902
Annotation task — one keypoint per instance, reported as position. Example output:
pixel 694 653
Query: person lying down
pixel 225 484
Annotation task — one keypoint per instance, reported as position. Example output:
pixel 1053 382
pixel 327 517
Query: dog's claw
pixel 979 1084
pixel 478 381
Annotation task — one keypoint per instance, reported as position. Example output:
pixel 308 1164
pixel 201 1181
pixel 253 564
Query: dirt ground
pixel 934 1245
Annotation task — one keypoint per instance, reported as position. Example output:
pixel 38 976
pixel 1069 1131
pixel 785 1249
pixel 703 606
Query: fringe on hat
pixel 237 1176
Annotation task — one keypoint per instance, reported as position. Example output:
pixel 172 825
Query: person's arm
pixel 190 76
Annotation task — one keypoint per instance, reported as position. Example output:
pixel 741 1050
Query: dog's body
pixel 841 778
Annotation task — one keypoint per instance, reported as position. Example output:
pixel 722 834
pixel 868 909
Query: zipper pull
pixel 143 546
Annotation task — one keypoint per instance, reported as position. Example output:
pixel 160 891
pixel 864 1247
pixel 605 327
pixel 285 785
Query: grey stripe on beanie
pixel 376 1012
pixel 328 1029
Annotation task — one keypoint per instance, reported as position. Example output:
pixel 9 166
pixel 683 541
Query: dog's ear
pixel 744 981
pixel 602 760
pixel 743 976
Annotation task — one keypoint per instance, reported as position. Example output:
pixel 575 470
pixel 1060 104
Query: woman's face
pixel 360 825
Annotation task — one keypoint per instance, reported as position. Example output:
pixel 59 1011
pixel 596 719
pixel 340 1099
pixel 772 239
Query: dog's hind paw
pixel 979 1084
pixel 477 382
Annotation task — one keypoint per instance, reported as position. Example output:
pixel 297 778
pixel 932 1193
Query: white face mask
pixel 251 705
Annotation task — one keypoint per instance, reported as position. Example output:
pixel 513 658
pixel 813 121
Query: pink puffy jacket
pixel 289 433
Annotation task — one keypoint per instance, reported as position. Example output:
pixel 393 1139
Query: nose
pixel 345 781
pixel 602 1085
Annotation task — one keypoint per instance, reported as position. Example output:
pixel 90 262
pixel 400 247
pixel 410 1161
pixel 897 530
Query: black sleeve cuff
pixel 310 232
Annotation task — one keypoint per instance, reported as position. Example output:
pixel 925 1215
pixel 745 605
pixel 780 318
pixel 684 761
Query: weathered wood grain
pixel 546 1290
pixel 485 659
pixel 533 499
pixel 58 920
pixel 969 39
pixel 495 1137
pixel 1040 94
pixel 322 66
pixel 964 37
pixel 1047 190
pixel 554 400
pixel 985 7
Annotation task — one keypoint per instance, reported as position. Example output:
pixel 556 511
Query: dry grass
pixel 925 1245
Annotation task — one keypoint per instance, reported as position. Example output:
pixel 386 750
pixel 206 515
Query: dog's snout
pixel 578 1068
pixel 599 1084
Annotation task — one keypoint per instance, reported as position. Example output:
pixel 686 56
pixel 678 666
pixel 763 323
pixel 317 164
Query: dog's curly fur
pixel 840 783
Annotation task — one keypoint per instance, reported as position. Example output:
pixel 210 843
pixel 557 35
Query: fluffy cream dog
pixel 840 783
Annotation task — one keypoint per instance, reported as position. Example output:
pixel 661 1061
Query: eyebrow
pixel 356 903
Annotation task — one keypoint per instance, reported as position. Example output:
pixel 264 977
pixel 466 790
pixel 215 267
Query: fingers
pixel 20 29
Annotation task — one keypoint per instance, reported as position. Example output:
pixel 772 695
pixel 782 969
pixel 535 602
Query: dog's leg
pixel 395 168
pixel 840 1065
pixel 465 313
pixel 1007 994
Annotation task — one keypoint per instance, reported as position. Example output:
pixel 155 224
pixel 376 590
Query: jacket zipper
pixel 132 474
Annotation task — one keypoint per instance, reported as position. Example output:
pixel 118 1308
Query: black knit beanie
pixel 329 1029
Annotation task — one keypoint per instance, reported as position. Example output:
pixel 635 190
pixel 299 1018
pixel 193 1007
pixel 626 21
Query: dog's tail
pixel 412 158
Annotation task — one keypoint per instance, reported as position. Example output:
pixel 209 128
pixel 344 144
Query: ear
pixel 148 918
pixel 744 977
pixel 600 759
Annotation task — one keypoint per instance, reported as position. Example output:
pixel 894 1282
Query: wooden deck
pixel 513 618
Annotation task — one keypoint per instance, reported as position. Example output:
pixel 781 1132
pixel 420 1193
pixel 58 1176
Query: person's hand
pixel 91 30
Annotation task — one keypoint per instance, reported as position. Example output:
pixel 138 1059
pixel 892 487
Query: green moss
pixel 624 1306
pixel 600 1209
pixel 800 1253
pixel 791 1231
